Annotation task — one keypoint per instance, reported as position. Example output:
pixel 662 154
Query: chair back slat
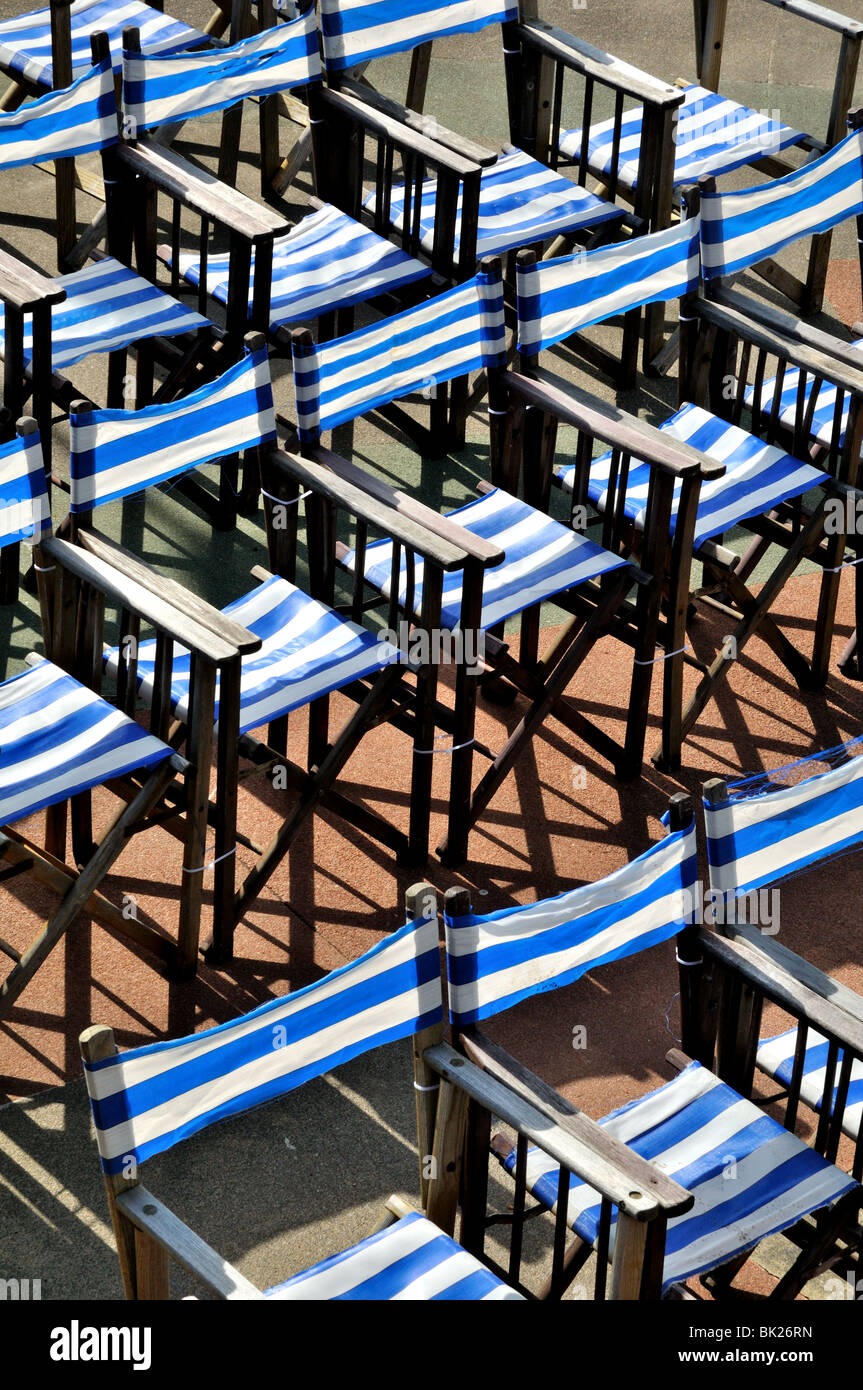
pixel 446 337
pixel 557 298
pixel 147 1100
pixel 494 961
pixel 160 90
pixel 115 453
pixel 25 512
pixel 759 838
pixel 741 228
pixel 76 120
pixel 354 34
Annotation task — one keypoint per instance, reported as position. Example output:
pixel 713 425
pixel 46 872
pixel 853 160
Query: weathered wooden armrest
pixel 796 330
pixel 156 602
pixel 828 19
pixel 778 975
pixel 606 421
pixel 738 314
pixel 170 590
pixel 574 1141
pixel 25 289
pixel 421 124
pixel 440 151
pixel 201 191
pixel 792 966
pixel 593 62
pixel 150 1215
pixel 397 514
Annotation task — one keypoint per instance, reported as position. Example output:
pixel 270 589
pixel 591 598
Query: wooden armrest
pixel 170 590
pixel 776 333
pixel 422 124
pixel 593 62
pixel 201 191
pixel 396 513
pixel 828 19
pixel 25 288
pixel 792 966
pixel 797 330
pixel 435 151
pixel 634 1185
pixel 613 426
pixel 195 1255
pixel 154 607
pixel 773 976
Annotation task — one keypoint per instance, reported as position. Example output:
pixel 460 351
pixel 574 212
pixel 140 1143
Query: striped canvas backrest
pixel 496 960
pixel 25 513
pixel 558 297
pixel 115 453
pixel 354 31
pixel 73 121
pixel 147 1100
pixel 758 839
pixel 740 229
pixel 159 90
pixel 456 333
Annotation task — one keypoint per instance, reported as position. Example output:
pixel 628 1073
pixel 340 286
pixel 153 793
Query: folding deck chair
pixel 303 649
pixel 681 1137
pixel 50 49
pixel 760 833
pixel 332 259
pixel 522 202
pixel 107 307
pixel 762 485
pixel 707 134
pixel 24 511
pixel 391 992
pixel 525 556
pixel 59 739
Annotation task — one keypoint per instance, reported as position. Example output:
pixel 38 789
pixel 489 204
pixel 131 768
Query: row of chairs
pixel 485 581
pixel 683 1181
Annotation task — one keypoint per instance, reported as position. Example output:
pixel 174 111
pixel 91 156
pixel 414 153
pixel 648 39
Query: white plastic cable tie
pixel 287 501
pixel 454 749
pixel 212 863
pixel 665 656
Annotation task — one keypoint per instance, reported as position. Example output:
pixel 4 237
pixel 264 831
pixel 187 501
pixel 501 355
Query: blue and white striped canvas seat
pixel 411 1260
pixel 115 453
pixel 25 41
pixel 712 136
pixel 543 558
pixel 496 960
pixel 521 202
pixel 326 262
pixel 559 297
pixel 742 228
pixel 147 1100
pixel 160 89
pixel 107 306
pixel 307 651
pixel 58 738
pixel 775 1057
pixel 76 120
pixel 825 402
pixel 757 476
pixel 750 1178
pixel 354 33
pixel 761 838
pixel 455 333
pixel 25 512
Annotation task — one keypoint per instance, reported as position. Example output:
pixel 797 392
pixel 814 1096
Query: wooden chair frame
pixel 76 583
pixel 712 330
pixel 529 407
